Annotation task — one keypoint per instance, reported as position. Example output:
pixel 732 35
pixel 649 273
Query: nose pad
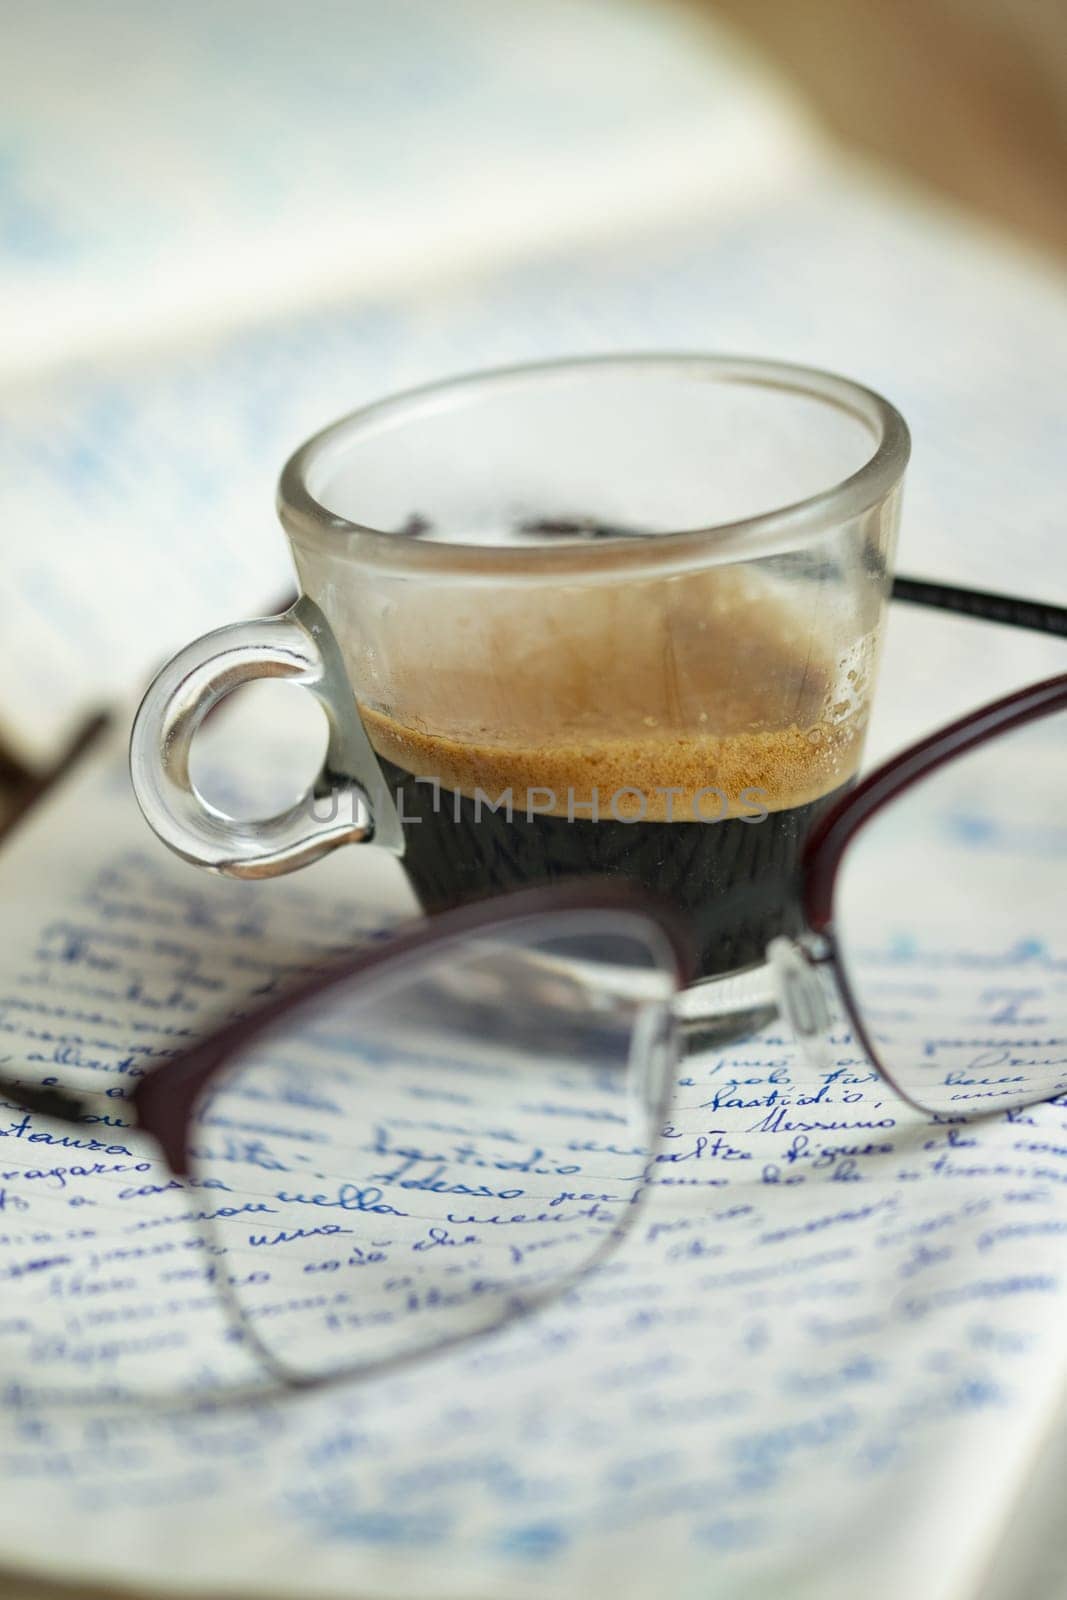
pixel 802 999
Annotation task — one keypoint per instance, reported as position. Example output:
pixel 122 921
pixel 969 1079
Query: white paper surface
pixel 821 1364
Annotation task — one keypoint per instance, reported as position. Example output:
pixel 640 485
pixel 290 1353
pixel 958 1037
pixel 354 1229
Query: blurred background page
pixel 167 169
pixel 224 227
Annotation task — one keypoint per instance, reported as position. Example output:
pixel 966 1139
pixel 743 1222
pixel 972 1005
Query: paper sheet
pixel 138 499
pixel 820 1365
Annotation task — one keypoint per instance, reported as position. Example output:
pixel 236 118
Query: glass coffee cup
pixel 618 616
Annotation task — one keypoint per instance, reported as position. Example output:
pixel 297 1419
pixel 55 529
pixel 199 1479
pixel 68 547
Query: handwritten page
pixel 821 1364
pixel 141 492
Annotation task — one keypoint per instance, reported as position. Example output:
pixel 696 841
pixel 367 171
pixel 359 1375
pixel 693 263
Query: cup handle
pixel 300 647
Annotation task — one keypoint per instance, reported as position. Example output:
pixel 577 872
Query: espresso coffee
pixel 687 739
pixel 736 878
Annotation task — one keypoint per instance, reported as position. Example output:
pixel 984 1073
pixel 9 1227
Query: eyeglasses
pixel 428 1139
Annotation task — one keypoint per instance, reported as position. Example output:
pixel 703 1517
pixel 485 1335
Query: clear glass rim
pixel 315 528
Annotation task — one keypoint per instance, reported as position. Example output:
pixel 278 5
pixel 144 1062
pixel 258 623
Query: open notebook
pixel 848 1383
pixel 828 1360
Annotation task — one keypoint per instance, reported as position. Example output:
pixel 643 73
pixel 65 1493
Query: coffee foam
pixel 712 681
pixel 788 767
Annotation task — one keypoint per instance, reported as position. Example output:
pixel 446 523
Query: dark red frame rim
pixel 829 839
pixel 163 1100
pixel 828 843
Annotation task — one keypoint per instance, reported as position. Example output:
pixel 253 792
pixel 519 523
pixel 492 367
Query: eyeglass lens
pixel 950 917
pixel 415 1155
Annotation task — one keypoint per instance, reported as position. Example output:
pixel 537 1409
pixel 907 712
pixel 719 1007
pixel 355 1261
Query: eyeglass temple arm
pixel 1037 615
pixel 62 1104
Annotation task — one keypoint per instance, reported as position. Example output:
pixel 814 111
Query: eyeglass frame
pixel 163 1101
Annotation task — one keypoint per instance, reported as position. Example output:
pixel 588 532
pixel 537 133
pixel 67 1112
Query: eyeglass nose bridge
pixel 802 997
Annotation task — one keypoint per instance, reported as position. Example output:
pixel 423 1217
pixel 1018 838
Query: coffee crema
pixel 685 734
pixel 660 778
